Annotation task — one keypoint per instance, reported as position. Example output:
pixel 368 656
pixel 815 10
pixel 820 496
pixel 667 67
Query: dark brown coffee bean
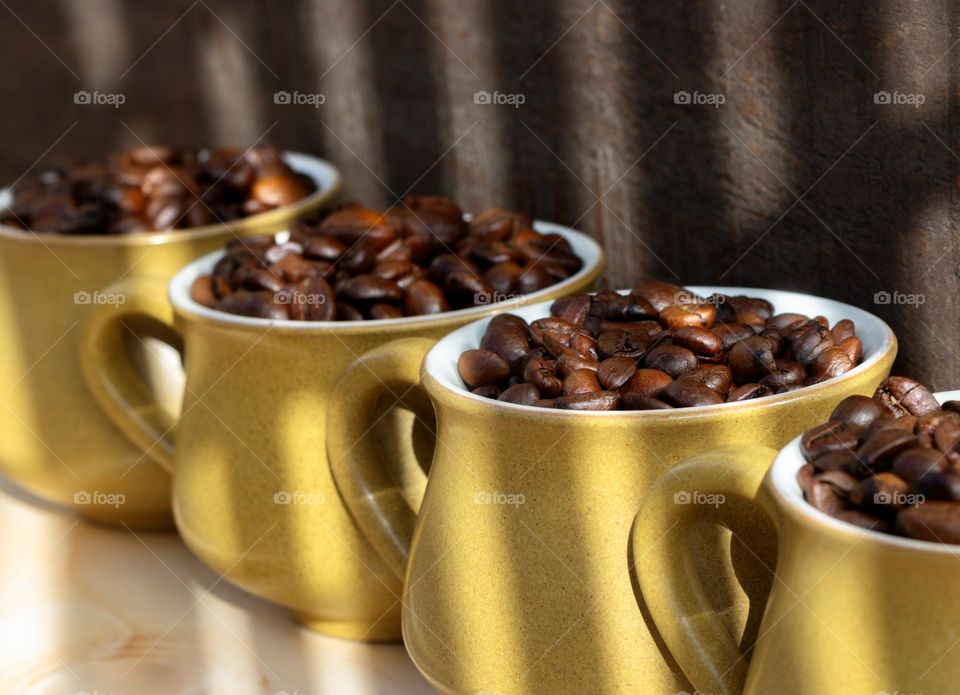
pixel 614 372
pixel 482 367
pixel 423 297
pixel 832 362
pixel 938 522
pixel 700 341
pixel 521 394
pixel 637 401
pixel 687 393
pixel 754 305
pixel 852 348
pixel 856 410
pixel 786 373
pixel 678 316
pixel 883 493
pixel 784 322
pixel 323 248
pixel 829 436
pixel 504 277
pixel 581 381
pixel 542 374
pixel 672 359
pixel 570 361
pixel 844 483
pixel 259 304
pixel 938 485
pixel 842 330
pixel 488 391
pixel 901 396
pixel 910 464
pixel 208 290
pixel 752 359
pixel 370 288
pixel 621 343
pixel 715 376
pixel 880 448
pixel 647 382
pixel 346 312
pixel 825 497
pixel 659 294
pixel 604 400
pixel 508 336
pixel 808 345
pixel 572 309
pixel 732 333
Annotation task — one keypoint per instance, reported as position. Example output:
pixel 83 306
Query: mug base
pixel 383 630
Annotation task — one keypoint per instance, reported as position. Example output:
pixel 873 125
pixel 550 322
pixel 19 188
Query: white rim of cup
pixel 789 495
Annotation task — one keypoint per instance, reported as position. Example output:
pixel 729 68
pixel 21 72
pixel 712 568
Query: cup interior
pixel 876 335
pixel 586 248
pixel 786 487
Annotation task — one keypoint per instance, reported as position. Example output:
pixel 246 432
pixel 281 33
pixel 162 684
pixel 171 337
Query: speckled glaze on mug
pixel 851 611
pixel 56 442
pixel 517 567
pixel 253 496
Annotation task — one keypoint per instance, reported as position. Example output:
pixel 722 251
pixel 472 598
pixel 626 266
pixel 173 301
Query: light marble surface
pixel 87 610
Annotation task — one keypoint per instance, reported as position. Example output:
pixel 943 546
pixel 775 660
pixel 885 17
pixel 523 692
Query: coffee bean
pixel 786 373
pixel 488 391
pixel 637 401
pixel 614 372
pixel 687 393
pixel 603 400
pixel 748 392
pixel 521 394
pixel 678 316
pixel 832 362
pixel 622 343
pixel 715 376
pixel 900 396
pixel 482 367
pixel 809 343
pixel 856 410
pixel 660 295
pixel 700 341
pixel 752 359
pixel 581 381
pixel 423 297
pixel 910 464
pixel 938 522
pixel 508 336
pixel 542 374
pixel 672 359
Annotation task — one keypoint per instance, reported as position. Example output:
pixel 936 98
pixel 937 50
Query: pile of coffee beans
pixel 420 257
pixel 155 188
pixel 890 463
pixel 660 346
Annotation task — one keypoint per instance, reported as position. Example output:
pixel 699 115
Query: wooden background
pixel 799 180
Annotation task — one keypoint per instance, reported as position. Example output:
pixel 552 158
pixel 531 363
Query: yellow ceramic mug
pixel 253 496
pixel 55 440
pixel 517 572
pixel 850 611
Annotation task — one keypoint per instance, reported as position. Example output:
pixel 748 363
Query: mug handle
pixel 111 378
pixel 665 565
pixel 369 492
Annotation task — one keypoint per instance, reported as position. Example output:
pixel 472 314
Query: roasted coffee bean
pixel 732 333
pixel 809 343
pixel 856 410
pixel 259 304
pixel 700 341
pixel 370 288
pixel 686 393
pixel 647 382
pixel 900 396
pixel 715 376
pixel 573 309
pixel 622 343
pixel 938 522
pixel 488 391
pixel 829 436
pixel 614 372
pixel 879 450
pixel 752 359
pixel 678 316
pixel 786 373
pixel 521 394
pixel 660 295
pixel 672 359
pixel 542 374
pixel 482 367
pixel 832 362
pixel 423 297
pixel 602 400
pixel 508 336
pixel 581 381
pixel 913 463
pixel 570 361
pixel 883 493
pixel 853 348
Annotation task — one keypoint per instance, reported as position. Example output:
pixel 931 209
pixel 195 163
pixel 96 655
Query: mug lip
pixel 324 174
pixel 457 393
pixel 786 490
pixel 589 251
